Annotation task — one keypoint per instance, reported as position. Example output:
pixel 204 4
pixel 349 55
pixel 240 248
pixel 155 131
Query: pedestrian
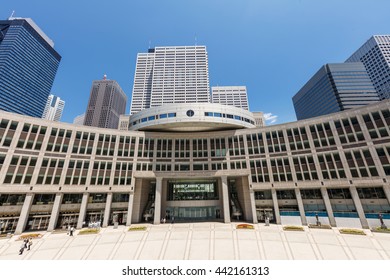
pixel 68 233
pixel 71 231
pixel 29 244
pixel 25 243
pixel 21 248
pixel 172 219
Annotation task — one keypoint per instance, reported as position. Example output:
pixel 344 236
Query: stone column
pixel 300 206
pixel 55 212
pixel 24 213
pixel 359 207
pixel 83 210
pixel 276 206
pixel 386 189
pixel 107 210
pixel 130 209
pixel 328 207
pixel 157 201
pixel 253 206
pixel 225 199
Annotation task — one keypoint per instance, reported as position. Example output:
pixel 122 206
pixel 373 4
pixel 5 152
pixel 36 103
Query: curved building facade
pixel 188 117
pixel 335 168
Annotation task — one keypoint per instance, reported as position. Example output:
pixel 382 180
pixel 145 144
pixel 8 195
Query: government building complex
pixel 184 156
pixel 56 174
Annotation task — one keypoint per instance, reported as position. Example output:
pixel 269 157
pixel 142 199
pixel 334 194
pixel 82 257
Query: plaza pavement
pixel 202 241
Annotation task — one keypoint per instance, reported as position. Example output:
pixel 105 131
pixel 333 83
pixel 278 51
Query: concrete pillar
pixel 83 210
pixel 225 199
pixel 24 213
pixel 386 189
pixel 253 206
pixel 55 212
pixel 328 207
pixel 300 206
pixel 107 210
pixel 276 207
pixel 130 209
pixel 359 207
pixel 157 201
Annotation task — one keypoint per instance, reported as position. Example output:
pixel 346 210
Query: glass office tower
pixel 335 87
pixel 28 65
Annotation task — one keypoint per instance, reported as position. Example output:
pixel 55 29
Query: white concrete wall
pixel 373 223
pixel 348 222
pixel 313 220
pixel 291 220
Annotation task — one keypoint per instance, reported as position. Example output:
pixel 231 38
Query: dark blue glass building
pixel 28 65
pixel 335 87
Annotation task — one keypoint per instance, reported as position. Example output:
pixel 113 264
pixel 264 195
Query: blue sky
pixel 273 47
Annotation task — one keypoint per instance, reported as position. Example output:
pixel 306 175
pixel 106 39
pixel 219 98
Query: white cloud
pixel 270 118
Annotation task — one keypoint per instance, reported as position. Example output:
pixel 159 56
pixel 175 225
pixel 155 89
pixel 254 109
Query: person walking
pixel 21 248
pixel 71 231
pixel 29 244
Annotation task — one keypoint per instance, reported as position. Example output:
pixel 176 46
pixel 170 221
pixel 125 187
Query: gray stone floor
pixel 202 241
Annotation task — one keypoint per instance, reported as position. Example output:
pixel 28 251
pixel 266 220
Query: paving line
pixel 141 244
pixel 189 241
pixel 90 248
pixel 343 244
pixel 235 243
pixel 63 248
pixel 5 246
pixel 260 243
pixel 379 248
pixel 314 245
pixel 212 242
pixel 165 243
pixel 117 245
pixel 286 244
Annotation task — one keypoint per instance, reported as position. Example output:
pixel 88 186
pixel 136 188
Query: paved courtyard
pixel 202 241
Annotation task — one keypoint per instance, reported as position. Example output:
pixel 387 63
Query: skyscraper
pixel 107 102
pixel 335 87
pixel 167 75
pixel 230 95
pixel 28 65
pixel 54 108
pixel 79 120
pixel 375 55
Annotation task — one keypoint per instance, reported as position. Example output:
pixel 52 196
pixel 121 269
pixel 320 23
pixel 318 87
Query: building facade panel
pixel 336 166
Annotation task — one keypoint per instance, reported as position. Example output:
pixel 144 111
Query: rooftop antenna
pixel 150 42
pixel 196 41
pixel 12 15
pixel 104 77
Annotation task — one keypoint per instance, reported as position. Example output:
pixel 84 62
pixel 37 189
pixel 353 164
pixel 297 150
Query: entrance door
pixel 8 224
pixel 38 222
pixel 192 213
pixel 67 220
pixel 265 212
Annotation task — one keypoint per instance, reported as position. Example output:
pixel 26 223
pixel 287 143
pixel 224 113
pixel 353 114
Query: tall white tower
pixel 54 108
pixel 167 75
pixel 375 55
pixel 230 95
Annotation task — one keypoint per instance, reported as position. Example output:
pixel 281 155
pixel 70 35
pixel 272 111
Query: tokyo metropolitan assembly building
pixel 180 156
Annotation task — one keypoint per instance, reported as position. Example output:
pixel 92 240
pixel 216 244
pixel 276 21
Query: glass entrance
pixel 8 224
pixel 192 213
pixel 38 222
pixel 118 216
pixel 66 220
pixel 262 213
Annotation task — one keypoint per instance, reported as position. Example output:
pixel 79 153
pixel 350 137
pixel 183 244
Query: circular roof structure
pixel 190 117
